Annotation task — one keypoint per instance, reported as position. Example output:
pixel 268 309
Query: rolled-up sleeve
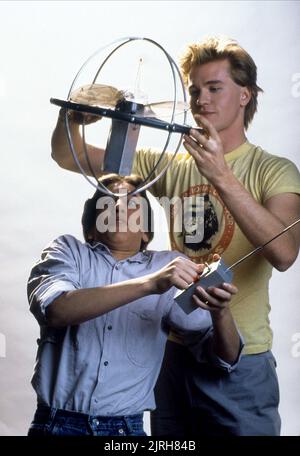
pixel 202 348
pixel 56 272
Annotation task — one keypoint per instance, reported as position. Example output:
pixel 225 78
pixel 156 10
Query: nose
pixel 120 204
pixel 203 98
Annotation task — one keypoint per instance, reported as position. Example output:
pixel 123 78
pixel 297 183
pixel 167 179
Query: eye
pixel 214 89
pixel 193 91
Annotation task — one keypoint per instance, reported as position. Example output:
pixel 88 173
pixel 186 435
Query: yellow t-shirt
pixel 263 175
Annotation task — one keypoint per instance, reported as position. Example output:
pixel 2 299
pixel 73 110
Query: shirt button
pixel 117 267
pixel 96 400
pixel 105 363
pixel 109 327
pixel 121 431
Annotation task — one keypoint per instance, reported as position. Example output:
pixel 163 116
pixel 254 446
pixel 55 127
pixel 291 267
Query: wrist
pixel 225 181
pixel 149 285
pixel 221 315
pixel 62 114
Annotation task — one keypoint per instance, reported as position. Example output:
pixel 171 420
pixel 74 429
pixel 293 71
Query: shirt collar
pixel 241 150
pixel 139 257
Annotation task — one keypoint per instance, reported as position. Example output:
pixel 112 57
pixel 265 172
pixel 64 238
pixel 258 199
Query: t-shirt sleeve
pixel 279 175
pixel 56 272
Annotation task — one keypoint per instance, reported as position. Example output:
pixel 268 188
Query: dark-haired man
pixel 102 306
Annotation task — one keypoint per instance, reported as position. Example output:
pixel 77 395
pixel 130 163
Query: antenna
pixel 138 93
pixel 215 274
pixel 260 247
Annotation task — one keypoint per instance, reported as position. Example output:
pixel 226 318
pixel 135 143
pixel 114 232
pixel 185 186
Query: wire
pixel 262 246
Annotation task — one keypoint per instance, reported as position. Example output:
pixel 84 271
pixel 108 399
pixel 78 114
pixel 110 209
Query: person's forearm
pixel 60 149
pixel 257 223
pixel 226 339
pixel 75 307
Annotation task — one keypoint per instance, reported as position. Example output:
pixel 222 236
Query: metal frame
pixel 150 122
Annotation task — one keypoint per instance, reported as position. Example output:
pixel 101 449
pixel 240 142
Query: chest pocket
pixel 144 337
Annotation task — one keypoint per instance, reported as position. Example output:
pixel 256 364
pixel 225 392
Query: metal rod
pixel 151 122
pixel 262 246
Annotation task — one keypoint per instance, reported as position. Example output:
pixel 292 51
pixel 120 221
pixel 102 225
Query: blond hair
pixel 242 67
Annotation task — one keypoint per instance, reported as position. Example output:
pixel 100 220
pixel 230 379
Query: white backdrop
pixel 43 44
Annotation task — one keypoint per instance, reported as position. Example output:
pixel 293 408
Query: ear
pixel 245 96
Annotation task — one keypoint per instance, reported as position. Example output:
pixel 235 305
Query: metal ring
pixel 173 67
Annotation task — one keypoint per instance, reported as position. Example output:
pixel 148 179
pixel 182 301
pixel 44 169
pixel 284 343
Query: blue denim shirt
pixel 107 365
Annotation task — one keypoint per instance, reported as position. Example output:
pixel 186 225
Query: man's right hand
pixel 180 273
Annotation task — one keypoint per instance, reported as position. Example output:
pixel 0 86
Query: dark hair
pixel 88 219
pixel 242 67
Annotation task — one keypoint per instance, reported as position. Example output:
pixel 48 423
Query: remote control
pixel 213 275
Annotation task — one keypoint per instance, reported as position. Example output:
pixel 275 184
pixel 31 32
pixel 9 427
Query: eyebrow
pixel 216 81
pixel 213 81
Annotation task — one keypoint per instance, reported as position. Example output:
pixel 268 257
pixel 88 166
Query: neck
pixel 234 135
pixel 232 142
pixel 120 250
pixel 122 254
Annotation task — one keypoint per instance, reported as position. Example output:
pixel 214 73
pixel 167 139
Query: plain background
pixel 43 44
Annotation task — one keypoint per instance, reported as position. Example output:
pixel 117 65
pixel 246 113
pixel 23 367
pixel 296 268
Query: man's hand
pixel 208 153
pixel 79 118
pixel 180 273
pixel 215 299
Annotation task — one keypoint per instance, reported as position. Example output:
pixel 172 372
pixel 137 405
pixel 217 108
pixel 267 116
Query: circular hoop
pixel 144 185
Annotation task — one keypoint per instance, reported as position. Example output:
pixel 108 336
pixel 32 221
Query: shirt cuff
pixel 220 363
pixel 203 350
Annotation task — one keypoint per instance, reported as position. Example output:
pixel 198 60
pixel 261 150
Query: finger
pixel 232 289
pixel 188 276
pixel 185 262
pixel 207 125
pixel 194 152
pixel 194 269
pixel 91 118
pixel 208 298
pixel 194 140
pixel 178 282
pixel 196 137
pixel 218 294
pixel 82 118
pixel 200 303
pixel 212 257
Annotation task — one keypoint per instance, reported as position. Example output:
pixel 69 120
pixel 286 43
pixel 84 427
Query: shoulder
pixel 273 174
pixel 271 160
pixel 67 241
pixel 264 166
pixel 65 244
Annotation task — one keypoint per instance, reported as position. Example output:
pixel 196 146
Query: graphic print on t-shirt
pixel 206 225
